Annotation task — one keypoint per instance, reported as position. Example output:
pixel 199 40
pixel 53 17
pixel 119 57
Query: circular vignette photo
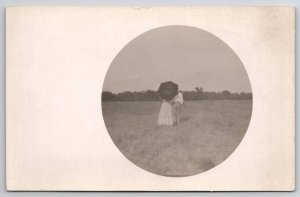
pixel 176 101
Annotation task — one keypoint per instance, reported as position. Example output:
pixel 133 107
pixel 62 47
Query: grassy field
pixel 209 132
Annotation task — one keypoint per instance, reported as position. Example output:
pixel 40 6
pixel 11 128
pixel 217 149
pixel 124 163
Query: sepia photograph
pixel 158 98
pixel 177 101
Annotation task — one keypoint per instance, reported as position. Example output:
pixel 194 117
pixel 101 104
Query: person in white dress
pixel 165 116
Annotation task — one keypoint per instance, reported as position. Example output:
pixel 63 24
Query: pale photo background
pixel 59 85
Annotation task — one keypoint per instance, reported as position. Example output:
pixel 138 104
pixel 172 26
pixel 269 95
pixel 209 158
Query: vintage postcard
pixel 150 98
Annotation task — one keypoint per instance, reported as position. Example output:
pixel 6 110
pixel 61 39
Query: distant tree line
pixel 197 94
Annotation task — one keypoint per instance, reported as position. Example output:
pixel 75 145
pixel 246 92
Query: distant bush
pixel 107 96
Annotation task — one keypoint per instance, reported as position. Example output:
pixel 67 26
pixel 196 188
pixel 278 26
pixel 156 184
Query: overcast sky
pixel 188 56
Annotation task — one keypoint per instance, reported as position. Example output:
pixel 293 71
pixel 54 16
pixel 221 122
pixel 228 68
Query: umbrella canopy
pixel 168 90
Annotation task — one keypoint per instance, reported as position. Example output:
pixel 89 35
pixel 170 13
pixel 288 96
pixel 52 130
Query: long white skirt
pixel 165 116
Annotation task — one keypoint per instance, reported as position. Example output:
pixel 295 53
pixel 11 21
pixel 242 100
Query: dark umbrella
pixel 168 90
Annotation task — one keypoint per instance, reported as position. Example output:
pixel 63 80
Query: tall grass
pixel 209 132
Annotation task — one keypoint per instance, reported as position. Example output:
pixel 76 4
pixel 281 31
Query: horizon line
pixel 180 90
